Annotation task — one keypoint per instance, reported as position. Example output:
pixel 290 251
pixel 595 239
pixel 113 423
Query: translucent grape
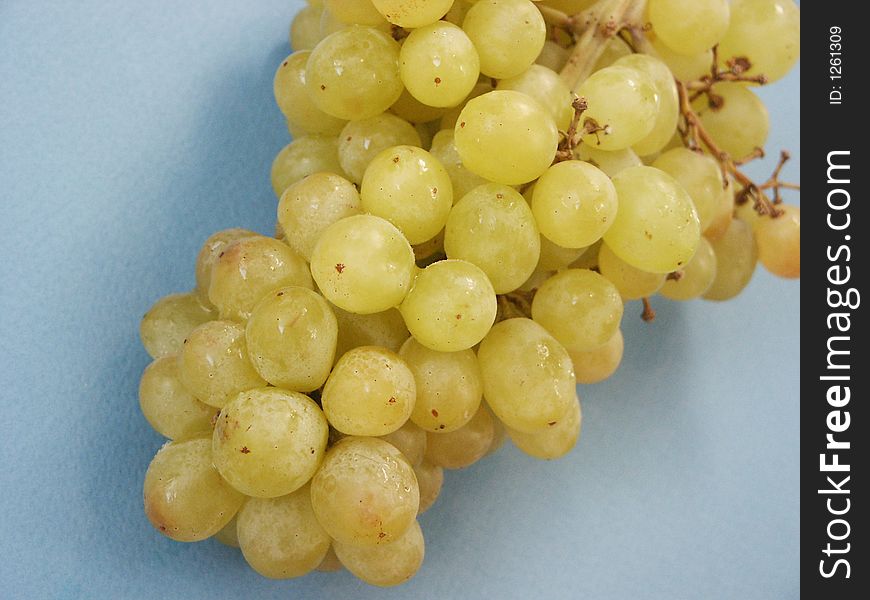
pixel 685 68
pixel 554 257
pixel 291 338
pixel 508 35
pixel 430 479
pixel 280 537
pixel 363 264
pixel 410 440
pixel 412 13
pixel 229 535
pixel 737 121
pixel 170 409
pixel 439 64
pixel 359 12
pixel 213 363
pixel 248 269
pixel 669 111
pixel 451 116
pixel 411 189
pixel 598 364
pixel 632 283
pixel 553 56
pixel 736 257
pixel 656 228
pixel 611 163
pixel 360 141
pixel 450 307
pixel 411 109
pixel 614 49
pixel 185 497
pixel 767 32
pixel 311 205
pixel 574 204
pixel 553 442
pixel 689 26
pixel 370 391
pixel 697 276
pixel 302 157
pixel 779 242
pixel 305 28
pixel 268 442
pixel 208 255
pixel 444 149
pixel 499 436
pixel 700 176
pixel 290 95
pixel 461 447
pixel 365 493
pixel 386 564
pixel 506 136
pixel 169 321
pixel 580 308
pixel 486 227
pixel 528 380
pixel 723 213
pixel 386 329
pixel 545 86
pixel 449 386
pixel 624 102
pixel 354 73
pixel 570 7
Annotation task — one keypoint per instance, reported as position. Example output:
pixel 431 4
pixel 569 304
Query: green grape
pixel 185 497
pixel 506 136
pixel 358 12
pixel 574 204
pixel 444 149
pixel 553 442
pixel 213 363
pixel 330 562
pixel 451 115
pixel 410 440
pixel 767 32
pixel 386 329
pixel 697 276
pixel 291 97
pixel 779 242
pixel 363 264
pixel 580 308
pixel 386 564
pixel 291 338
pixel 170 409
pixel 554 257
pixel 354 73
pixel 736 257
pixel 229 535
pixel 738 121
pixel 449 387
pixel 700 176
pixel 208 255
pixel 248 269
pixel 411 189
pixel 624 102
pixel 414 111
pixel 571 7
pixel 439 64
pixel 365 493
pixel 169 321
pixel 430 479
pixel 685 68
pixel 614 49
pixel 360 141
pixel 723 213
pixel 311 205
pixel 528 380
pixel 545 86
pixel 302 157
pixel 371 391
pixel 689 26
pixel 632 283
pixel 499 435
pixel 280 537
pixel 553 56
pixel 457 12
pixel 268 442
pixel 508 35
pixel 611 163
pixel 305 28
pixel 461 447
pixel 656 228
pixel 597 365
pixel 412 13
pixel 486 227
pixel 669 110
pixel 589 259
pixel 450 307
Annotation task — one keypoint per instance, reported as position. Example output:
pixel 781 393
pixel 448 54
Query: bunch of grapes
pixel 473 191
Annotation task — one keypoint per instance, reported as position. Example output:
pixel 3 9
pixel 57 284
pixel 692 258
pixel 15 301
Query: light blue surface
pixel 128 133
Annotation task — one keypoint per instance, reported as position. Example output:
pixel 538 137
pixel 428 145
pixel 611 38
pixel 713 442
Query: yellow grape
pixel 461 447
pixel 554 257
pixel 738 121
pixel 360 141
pixel 779 242
pixel 767 32
pixel 632 283
pixel 412 13
pixel 386 564
pixel 451 115
pixel 208 255
pixel 290 95
pixel 302 157
pixel 414 111
pixel 700 176
pixel 508 34
pixel 553 442
pixel 689 26
pixel 430 479
pixel 170 409
pixel 611 162
pixel 597 365
pixel 697 276
pixel 545 86
pixel 684 67
pixel 169 321
pixel 305 28
pixel 229 535
pixel 614 49
pixel 669 110
pixel 386 329
pixel 410 440
pixel 357 12
pixel 553 56
pixel 736 257
pixel 444 149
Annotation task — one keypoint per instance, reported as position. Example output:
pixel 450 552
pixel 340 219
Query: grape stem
pixel 648 314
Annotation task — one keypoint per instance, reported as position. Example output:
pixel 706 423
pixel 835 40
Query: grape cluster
pixel 458 229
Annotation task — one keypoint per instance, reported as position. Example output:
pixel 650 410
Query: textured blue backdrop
pixel 128 133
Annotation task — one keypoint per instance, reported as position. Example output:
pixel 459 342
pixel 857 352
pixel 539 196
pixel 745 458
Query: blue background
pixel 129 131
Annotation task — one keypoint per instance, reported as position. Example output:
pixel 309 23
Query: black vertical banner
pixel 834 170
